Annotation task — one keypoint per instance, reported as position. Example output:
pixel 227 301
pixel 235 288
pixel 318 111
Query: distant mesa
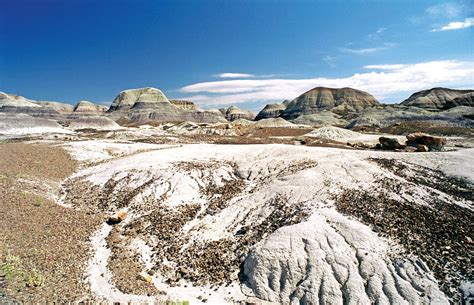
pixel 15 101
pixel 138 98
pixel 150 104
pixel 61 108
pixel 185 105
pixel 272 111
pixel 320 106
pixel 440 98
pixel 322 98
pixel 234 113
pixel 86 107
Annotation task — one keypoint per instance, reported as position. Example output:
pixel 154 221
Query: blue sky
pixel 232 52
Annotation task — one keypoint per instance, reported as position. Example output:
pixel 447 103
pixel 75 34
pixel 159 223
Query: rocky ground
pixel 282 217
pixel 44 247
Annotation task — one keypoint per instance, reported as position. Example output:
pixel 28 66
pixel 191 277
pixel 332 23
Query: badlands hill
pixel 86 107
pixel 440 98
pixel 322 98
pixel 12 100
pixel 234 113
pixel 354 108
pixel 344 107
pixel 272 110
pixel 18 104
pixel 151 104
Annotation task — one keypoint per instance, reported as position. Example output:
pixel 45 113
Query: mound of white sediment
pixel 23 124
pixel 191 128
pixel 320 118
pixel 12 100
pixel 333 259
pixel 274 122
pixel 333 133
pixel 280 213
pixel 348 136
pixel 94 122
pixel 243 122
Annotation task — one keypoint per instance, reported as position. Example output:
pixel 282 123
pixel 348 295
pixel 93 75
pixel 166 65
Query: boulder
pixel 432 142
pixel 390 143
pixel 411 149
pixel 421 148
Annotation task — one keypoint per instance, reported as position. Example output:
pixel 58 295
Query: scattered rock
pixel 421 148
pixel 411 149
pixel 117 218
pixel 432 142
pixel 145 276
pixel 390 143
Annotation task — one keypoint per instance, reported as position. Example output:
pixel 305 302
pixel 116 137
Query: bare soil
pixel 43 246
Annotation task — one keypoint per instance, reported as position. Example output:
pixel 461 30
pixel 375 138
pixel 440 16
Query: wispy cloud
pixel 366 51
pixel 330 60
pixel 234 75
pixel 376 35
pixel 449 10
pixel 393 80
pixel 456 25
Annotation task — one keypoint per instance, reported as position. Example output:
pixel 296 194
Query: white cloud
pixel 456 25
pixel 234 75
pixel 385 67
pixel 393 80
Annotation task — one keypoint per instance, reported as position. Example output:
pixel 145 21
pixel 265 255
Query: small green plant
pixel 3 177
pixel 38 201
pixel 12 270
pixel 34 278
pixel 22 176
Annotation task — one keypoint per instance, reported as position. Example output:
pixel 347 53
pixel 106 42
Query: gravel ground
pixel 440 233
pixel 43 246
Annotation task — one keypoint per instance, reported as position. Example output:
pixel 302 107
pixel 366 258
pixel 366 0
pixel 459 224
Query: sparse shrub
pixel 16 275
